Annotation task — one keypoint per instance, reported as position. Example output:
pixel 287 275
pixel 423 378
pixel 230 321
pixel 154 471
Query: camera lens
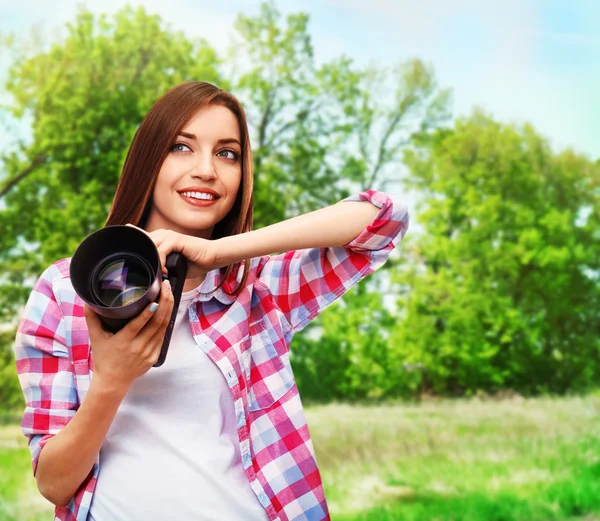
pixel 121 280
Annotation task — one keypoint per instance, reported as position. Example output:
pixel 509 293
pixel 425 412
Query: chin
pixel 198 227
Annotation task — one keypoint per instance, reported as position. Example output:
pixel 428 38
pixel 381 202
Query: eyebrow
pixel 223 141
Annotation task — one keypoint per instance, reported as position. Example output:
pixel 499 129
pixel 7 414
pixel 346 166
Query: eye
pixel 180 147
pixel 228 154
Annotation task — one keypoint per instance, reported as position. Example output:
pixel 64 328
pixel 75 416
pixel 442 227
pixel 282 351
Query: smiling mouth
pixel 200 196
pixel 203 202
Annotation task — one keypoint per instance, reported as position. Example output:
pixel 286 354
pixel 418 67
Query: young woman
pixel 218 432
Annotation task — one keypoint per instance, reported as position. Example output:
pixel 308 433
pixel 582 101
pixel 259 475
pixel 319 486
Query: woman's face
pixel 199 180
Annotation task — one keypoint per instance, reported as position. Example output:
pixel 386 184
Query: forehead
pixel 213 121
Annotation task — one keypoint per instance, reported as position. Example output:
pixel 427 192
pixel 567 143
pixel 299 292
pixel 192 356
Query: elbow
pixel 53 493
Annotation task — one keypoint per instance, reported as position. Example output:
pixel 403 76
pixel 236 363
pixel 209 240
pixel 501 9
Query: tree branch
pixel 300 116
pixel 265 120
pixel 37 161
pixel 390 130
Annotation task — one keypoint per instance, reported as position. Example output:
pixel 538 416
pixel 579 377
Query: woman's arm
pixel 328 227
pixel 64 436
pixel 68 457
pixel 326 252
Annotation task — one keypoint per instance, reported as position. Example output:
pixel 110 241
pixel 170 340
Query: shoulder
pixel 59 270
pixel 52 276
pixel 55 283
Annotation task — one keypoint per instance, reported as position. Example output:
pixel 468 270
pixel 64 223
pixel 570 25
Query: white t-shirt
pixel 172 451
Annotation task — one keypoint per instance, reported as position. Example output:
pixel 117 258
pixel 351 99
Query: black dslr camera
pixel 116 271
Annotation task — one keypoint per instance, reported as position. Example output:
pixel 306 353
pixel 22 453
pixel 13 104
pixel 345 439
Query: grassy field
pixel 511 460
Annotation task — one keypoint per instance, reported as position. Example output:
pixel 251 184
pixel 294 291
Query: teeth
pixel 199 195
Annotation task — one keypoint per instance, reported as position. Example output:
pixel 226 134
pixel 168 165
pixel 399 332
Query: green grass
pixel 19 499
pixel 512 460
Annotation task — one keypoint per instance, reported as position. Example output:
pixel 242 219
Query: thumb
pixel 93 323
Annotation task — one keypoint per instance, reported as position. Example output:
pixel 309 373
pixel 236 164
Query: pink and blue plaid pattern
pixel 248 337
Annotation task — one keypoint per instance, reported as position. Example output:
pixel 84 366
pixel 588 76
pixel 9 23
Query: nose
pixel 204 168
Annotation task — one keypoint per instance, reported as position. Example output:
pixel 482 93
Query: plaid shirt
pixel 248 337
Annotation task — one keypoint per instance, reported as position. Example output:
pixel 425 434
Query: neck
pixel 193 282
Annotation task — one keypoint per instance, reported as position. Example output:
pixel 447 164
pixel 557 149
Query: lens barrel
pixel 116 271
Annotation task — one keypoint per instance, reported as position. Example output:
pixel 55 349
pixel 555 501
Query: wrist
pixel 108 389
pixel 223 256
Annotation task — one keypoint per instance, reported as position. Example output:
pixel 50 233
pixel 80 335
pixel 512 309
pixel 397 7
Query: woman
pixel 218 432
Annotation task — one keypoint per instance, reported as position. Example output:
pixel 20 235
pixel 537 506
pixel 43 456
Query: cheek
pixel 232 194
pixel 234 184
pixel 157 200
pixel 162 189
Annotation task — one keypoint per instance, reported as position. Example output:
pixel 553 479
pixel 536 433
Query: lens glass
pixel 121 281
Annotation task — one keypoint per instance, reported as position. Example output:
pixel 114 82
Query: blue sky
pixel 521 60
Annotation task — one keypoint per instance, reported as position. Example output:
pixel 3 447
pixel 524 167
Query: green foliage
pixel 350 359
pixel 85 96
pixel 320 132
pixel 498 283
pixel 11 396
pixel 503 283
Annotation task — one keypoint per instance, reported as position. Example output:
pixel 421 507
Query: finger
pixel 163 261
pixel 164 314
pixel 136 227
pixel 166 246
pixel 158 238
pixel 164 250
pixel 93 322
pixel 153 347
pixel 134 326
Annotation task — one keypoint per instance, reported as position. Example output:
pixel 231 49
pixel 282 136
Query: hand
pixel 122 357
pixel 200 253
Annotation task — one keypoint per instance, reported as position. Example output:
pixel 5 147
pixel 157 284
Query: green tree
pixel 85 96
pixel 320 131
pixel 323 131
pixel 11 396
pixel 503 281
pixel 345 355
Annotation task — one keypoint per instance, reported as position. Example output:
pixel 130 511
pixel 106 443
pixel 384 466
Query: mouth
pixel 204 195
pixel 199 199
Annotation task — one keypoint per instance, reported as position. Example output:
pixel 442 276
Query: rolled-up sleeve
pixel 304 282
pixel 44 367
pixel 387 229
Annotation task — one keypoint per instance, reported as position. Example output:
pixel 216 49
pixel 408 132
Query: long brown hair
pixel 149 149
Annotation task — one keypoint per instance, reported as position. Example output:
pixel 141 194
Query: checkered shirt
pixel 248 337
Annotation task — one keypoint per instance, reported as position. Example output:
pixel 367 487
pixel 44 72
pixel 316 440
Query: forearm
pixel 332 226
pixel 67 459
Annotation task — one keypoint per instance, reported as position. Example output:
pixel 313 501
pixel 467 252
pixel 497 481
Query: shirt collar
pixel 207 288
